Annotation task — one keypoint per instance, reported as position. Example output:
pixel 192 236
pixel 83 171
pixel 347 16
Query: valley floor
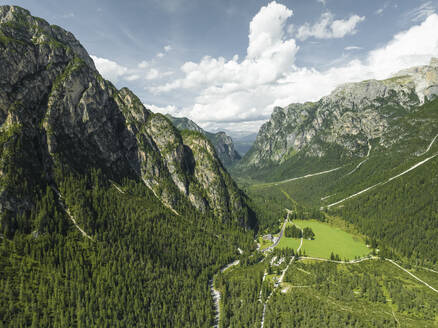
pixel 296 290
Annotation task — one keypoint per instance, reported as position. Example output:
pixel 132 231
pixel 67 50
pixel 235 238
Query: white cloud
pixel 166 49
pixel 143 64
pixel 409 48
pixel 152 74
pixel 109 69
pixel 68 15
pixel 323 2
pixel 132 77
pixel 420 13
pixel 237 93
pixel 169 109
pixel 327 28
pixel 350 48
pixel 115 72
pixel 240 93
pixel 383 8
pixel 268 57
pixel 379 11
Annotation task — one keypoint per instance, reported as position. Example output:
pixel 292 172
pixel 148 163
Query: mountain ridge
pixel 348 119
pixel 223 143
pixel 54 99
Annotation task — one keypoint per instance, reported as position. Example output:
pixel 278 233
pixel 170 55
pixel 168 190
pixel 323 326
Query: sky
pixel 227 63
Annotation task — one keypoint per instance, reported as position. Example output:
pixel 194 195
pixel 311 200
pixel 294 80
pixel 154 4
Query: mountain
pixel 244 143
pixel 221 141
pixel 109 216
pixel 367 153
pixel 58 109
pixel 341 126
pixel 112 216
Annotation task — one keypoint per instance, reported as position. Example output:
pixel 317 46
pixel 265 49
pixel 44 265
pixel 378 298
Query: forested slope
pixel 108 217
pixel 398 211
pixel 144 267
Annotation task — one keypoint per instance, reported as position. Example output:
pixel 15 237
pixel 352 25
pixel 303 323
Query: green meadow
pixel 328 239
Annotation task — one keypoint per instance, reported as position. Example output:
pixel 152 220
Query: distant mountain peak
pixel 347 119
pixel 221 141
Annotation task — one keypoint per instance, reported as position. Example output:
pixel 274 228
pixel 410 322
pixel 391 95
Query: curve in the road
pixel 428 148
pixel 217 294
pixel 358 165
pixel 269 248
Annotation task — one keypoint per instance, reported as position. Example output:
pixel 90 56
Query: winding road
pixel 428 148
pixel 269 248
pixel 358 165
pixel 217 294
pixel 277 284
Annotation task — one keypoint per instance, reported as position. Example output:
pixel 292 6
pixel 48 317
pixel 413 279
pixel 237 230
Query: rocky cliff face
pixel 221 141
pixel 58 114
pixel 349 118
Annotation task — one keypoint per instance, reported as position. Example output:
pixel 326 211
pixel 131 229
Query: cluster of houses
pixel 270 237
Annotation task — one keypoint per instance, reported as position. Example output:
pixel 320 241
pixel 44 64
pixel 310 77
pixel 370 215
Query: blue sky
pixel 227 63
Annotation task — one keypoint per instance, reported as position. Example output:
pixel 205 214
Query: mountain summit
pixel 342 125
pixel 221 141
pixel 58 113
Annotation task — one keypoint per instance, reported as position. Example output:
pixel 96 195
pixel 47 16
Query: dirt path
pixel 70 216
pixel 412 275
pixel 217 294
pixel 117 187
pixel 216 300
pixel 428 148
pixel 163 202
pixel 358 165
pixel 431 270
pixel 277 284
pixel 307 176
pixel 72 219
pixel 367 259
pixel 340 262
pixel 385 182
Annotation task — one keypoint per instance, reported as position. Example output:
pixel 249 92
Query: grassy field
pixel 289 243
pixel 328 239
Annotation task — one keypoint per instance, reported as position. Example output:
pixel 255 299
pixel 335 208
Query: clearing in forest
pixel 328 239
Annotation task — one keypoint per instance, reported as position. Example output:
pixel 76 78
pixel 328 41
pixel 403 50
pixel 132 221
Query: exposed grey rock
pixel 351 116
pixel 56 111
pixel 221 141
